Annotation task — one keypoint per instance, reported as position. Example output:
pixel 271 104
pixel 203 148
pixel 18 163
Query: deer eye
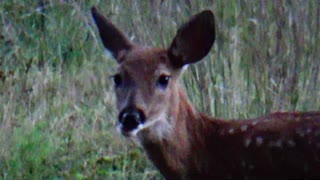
pixel 163 81
pixel 117 80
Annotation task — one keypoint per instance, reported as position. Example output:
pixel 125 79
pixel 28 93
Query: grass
pixel 57 112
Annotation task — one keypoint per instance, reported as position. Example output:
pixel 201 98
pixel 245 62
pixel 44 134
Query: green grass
pixel 57 111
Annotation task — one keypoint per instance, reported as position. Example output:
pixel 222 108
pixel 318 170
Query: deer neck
pixel 170 152
pixel 180 118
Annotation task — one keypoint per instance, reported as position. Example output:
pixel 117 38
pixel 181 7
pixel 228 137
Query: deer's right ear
pixel 112 38
pixel 194 40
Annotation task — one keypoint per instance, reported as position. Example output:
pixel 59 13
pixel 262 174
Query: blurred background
pixel 57 107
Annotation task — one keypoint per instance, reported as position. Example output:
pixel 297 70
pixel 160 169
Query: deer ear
pixel 112 38
pixel 194 40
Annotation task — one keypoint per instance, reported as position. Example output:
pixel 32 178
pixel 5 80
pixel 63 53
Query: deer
pixel 184 143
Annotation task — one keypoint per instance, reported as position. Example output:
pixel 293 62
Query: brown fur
pixel 186 144
pixel 280 145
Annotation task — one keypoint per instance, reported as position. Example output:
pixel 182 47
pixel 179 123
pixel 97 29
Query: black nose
pixel 130 118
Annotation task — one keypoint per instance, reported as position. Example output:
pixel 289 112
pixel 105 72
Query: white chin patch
pixel 131 133
pixel 136 130
pixel 160 127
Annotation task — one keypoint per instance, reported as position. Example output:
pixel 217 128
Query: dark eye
pixel 117 80
pixel 163 81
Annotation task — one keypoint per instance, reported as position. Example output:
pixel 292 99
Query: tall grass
pixel 57 112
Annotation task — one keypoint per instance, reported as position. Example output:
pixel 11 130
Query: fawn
pixel 186 144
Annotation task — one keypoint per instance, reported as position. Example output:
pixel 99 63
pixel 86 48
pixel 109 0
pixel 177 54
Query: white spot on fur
pixel 278 143
pixel 266 120
pixel 222 132
pixel 244 128
pixel 300 132
pixel 243 163
pixel 247 142
pixel 231 131
pixel 291 143
pixel 259 141
pixel 308 131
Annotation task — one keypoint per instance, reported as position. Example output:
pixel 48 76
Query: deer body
pixel 186 144
pixel 280 145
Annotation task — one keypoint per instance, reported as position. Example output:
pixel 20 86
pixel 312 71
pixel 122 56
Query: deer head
pixel 146 80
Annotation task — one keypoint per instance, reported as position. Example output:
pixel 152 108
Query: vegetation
pixel 57 114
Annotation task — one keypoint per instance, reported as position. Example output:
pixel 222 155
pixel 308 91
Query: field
pixel 57 107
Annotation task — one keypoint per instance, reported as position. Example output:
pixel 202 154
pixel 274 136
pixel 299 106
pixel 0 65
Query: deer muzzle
pixel 130 118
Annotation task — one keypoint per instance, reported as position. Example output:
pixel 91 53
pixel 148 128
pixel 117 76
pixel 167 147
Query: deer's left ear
pixel 194 40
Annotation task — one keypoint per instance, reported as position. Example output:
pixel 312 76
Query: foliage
pixel 57 114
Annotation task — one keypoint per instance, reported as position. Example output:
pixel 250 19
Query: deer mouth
pixel 130 119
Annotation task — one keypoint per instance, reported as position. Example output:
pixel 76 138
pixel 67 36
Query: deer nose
pixel 130 118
